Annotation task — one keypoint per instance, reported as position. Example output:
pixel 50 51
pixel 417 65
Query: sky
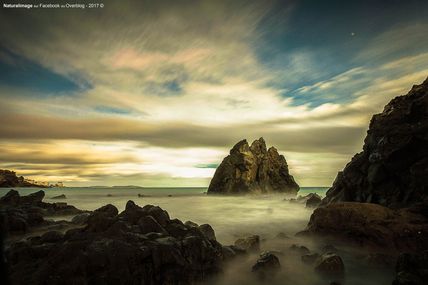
pixel 155 93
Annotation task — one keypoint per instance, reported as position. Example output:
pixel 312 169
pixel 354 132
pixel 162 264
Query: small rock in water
pixel 267 265
pixel 109 195
pixel 412 269
pixel 300 249
pixel 251 243
pixel 310 258
pixel 62 196
pixel 329 248
pixel 330 265
pixel 313 201
pixel 282 235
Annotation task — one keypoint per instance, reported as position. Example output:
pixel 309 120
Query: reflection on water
pixel 231 218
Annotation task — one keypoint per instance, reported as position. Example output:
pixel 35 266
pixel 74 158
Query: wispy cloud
pixel 164 92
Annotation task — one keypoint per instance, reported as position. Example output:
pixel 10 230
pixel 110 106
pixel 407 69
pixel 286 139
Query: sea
pixel 231 217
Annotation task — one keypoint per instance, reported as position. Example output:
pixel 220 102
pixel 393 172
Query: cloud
pixel 174 84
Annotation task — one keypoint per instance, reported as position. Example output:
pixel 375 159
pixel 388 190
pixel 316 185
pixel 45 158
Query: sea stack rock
pixel 392 169
pixel 253 169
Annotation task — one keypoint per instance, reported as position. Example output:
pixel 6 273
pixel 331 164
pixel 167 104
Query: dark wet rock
pixel 282 235
pixel 370 225
pixel 330 265
pixel 149 225
pixel 301 249
pixel 62 196
pixel 33 198
pixel 21 213
pixel 412 269
pixel 80 218
pixel 232 251
pixel 11 198
pixel 380 260
pixel 302 199
pixel 253 169
pixel 113 249
pixel 208 231
pixel 313 201
pixel 310 258
pixel 251 243
pixel 267 265
pixel 329 248
pixel 191 224
pixel 109 210
pixel 51 236
pixel 391 169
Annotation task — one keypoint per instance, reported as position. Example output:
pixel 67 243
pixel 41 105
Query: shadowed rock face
pixel 393 166
pixel 141 245
pixel 372 225
pixel 253 169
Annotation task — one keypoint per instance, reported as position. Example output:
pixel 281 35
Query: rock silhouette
pixel 393 166
pixel 253 169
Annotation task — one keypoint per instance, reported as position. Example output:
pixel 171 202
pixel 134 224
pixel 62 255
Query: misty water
pixel 233 217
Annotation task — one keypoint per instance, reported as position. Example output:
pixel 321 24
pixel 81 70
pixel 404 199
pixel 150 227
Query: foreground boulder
pixel 21 213
pixel 267 265
pixel 330 265
pixel 141 245
pixel 392 168
pixel 251 243
pixel 253 169
pixel 412 269
pixel 372 225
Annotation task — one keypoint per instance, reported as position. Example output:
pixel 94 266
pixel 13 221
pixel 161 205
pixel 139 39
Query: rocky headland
pixel 392 169
pixel 380 199
pixel 253 169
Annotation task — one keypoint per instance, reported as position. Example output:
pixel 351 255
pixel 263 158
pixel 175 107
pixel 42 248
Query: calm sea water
pixel 229 216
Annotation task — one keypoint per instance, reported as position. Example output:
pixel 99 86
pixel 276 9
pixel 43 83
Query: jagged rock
pixel 412 269
pixel 330 265
pixel 51 236
pixel 267 265
pixel 62 196
pixel 310 258
pixel 282 235
pixel 80 218
pixel 301 249
pixel 371 225
pixel 392 168
pixel 252 169
pixel 113 249
pixel 380 260
pixel 21 213
pixel 313 201
pixel 208 231
pixel 251 243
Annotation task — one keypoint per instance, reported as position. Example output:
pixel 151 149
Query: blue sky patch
pixel 18 71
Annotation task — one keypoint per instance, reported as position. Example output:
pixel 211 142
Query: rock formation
pixel 392 169
pixel 20 213
pixel 253 169
pixel 372 226
pixel 10 179
pixel 141 245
